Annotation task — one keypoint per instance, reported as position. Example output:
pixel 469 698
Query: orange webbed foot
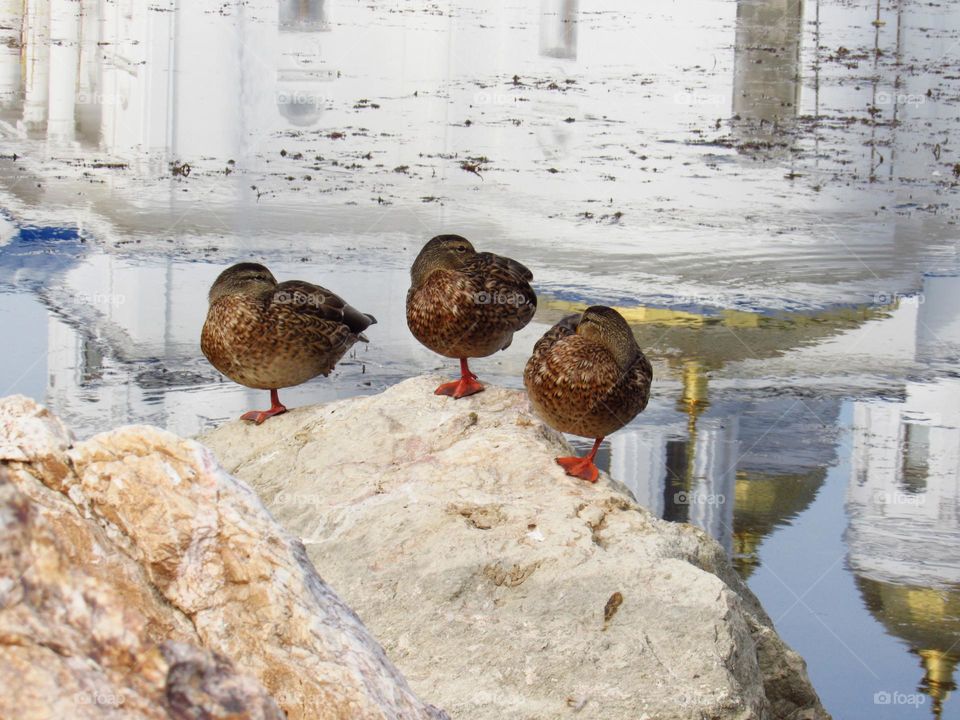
pixel 577 467
pixel 259 416
pixel 457 389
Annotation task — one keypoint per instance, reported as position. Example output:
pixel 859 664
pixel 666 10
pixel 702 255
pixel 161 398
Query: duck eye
pixel 461 249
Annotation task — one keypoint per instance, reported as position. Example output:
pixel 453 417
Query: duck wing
pixel 507 283
pixel 313 301
pixel 563 328
pixel 641 372
pixel 630 394
pixel 508 268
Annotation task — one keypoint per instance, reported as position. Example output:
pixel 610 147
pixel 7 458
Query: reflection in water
pixel 36 65
pixel 764 501
pixel 300 66
pixel 115 79
pixel 928 620
pixel 766 69
pixel 303 15
pixel 11 73
pixel 205 83
pixel 681 470
pixel 558 28
pixel 904 504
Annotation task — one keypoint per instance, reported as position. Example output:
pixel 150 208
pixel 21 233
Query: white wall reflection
pixel 135 78
pixel 685 479
pixel 559 21
pixel 904 498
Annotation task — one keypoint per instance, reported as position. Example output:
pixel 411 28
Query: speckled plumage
pixel 267 335
pixel 465 304
pixel 588 382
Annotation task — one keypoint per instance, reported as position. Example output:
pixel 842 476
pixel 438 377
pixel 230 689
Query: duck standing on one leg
pixel 588 377
pixel 464 304
pixel 267 335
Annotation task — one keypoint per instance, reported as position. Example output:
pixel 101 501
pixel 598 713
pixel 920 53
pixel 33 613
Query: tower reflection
pixel 558 28
pixel 766 69
pixel 904 502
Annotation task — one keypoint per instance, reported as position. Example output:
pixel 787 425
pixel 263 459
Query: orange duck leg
pixel 258 416
pixel 582 468
pixel 466 385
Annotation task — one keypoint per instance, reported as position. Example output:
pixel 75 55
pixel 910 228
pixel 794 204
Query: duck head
pixel 444 252
pixel 607 327
pixel 242 278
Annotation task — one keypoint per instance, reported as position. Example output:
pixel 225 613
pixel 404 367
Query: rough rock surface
pixel 501 587
pixel 138 579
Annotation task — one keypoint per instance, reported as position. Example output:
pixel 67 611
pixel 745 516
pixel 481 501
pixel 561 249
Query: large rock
pixel 501 587
pixel 138 579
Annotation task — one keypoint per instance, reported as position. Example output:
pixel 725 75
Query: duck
pixel 466 304
pixel 587 376
pixel 268 335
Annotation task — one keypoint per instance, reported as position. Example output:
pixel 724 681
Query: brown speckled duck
pixel 464 304
pixel 270 335
pixel 588 377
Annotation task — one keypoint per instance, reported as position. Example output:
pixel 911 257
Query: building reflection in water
pixel 559 20
pixel 303 15
pixel 301 64
pixel 11 67
pixel 769 72
pixel 738 472
pixel 127 79
pixel 558 28
pixel 766 69
pixel 904 503
pixel 682 473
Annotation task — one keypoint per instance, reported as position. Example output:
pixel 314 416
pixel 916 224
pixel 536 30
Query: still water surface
pixel 766 189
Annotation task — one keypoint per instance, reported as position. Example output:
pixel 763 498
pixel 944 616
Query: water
pixel 765 188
